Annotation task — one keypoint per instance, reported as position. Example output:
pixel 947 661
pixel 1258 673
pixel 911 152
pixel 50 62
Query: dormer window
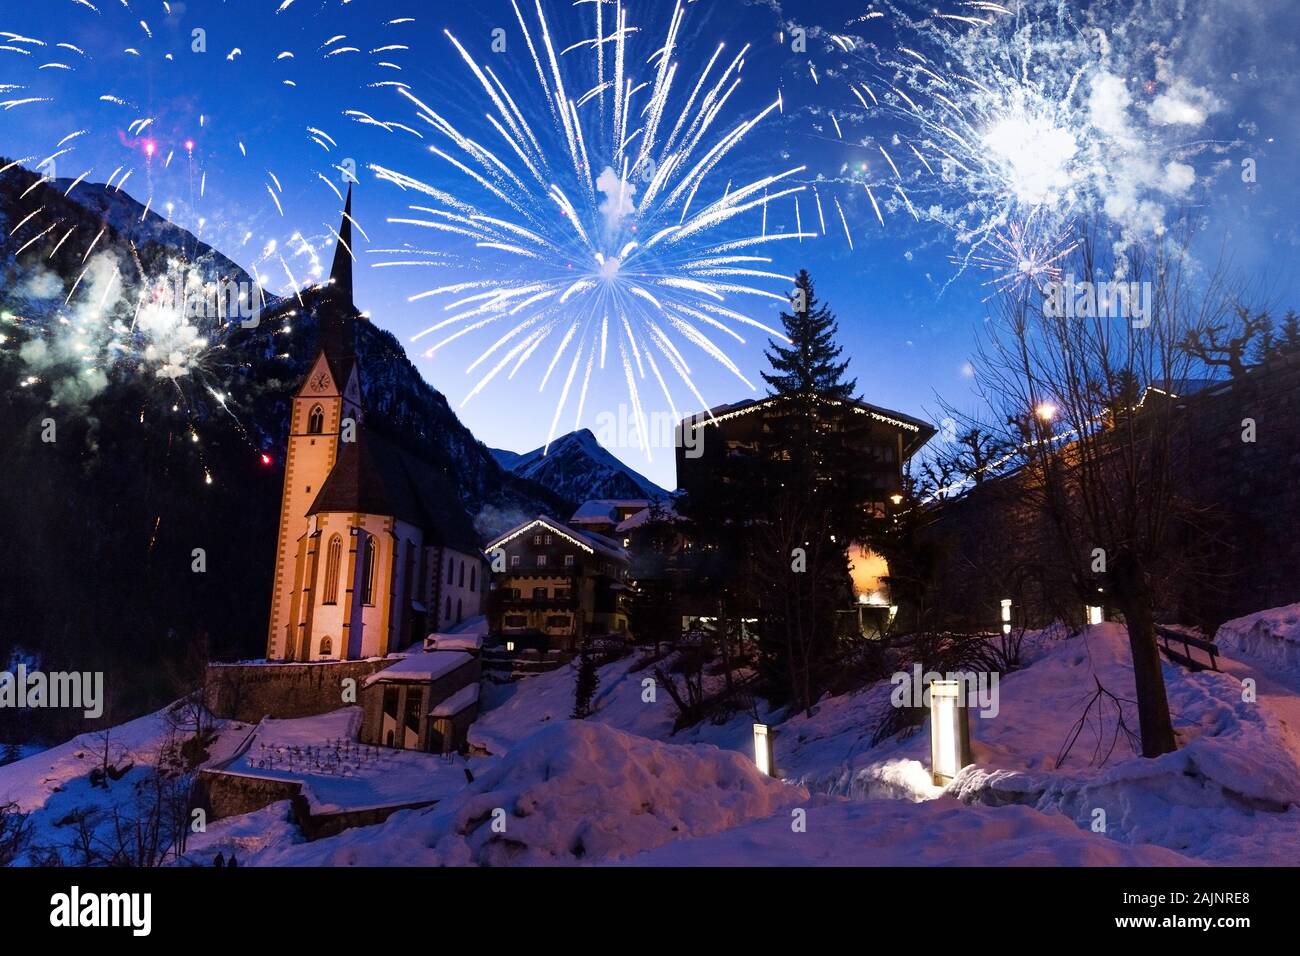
pixel 316 420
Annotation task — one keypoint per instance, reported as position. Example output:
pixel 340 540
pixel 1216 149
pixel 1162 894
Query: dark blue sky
pixel 908 319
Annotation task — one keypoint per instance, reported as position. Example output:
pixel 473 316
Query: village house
pixel 554 586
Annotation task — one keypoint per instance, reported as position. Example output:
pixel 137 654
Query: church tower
pixel 326 411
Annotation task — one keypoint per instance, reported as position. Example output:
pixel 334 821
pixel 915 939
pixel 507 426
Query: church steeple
pixel 336 311
pixel 341 270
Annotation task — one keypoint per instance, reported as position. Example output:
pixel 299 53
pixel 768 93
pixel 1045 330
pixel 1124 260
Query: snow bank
pixel 941 832
pixel 512 712
pixel 1270 637
pixel 576 792
pixel 1230 793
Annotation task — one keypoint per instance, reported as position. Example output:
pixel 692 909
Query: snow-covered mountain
pixel 578 468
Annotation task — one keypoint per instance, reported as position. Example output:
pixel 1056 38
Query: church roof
pixel 375 476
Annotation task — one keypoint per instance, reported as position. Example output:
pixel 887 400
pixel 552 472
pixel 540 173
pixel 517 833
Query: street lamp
pixel 762 750
pixel 1006 615
pixel 1095 614
pixel 949 731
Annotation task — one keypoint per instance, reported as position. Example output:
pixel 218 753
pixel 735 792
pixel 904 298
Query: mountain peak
pixel 578 468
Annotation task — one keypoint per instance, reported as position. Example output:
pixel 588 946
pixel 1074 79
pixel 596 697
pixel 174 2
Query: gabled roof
pixel 605 510
pixel 375 476
pixel 589 541
pixel 919 431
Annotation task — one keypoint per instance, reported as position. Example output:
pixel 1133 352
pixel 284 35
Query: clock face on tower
pixel 320 382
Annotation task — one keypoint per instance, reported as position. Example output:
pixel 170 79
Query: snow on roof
pixel 601 510
pixel 453 642
pixel 665 512
pixel 453 705
pixel 428 665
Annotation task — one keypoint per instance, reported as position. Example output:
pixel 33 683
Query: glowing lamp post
pixel 762 749
pixel 949 731
pixel 1006 615
pixel 1095 614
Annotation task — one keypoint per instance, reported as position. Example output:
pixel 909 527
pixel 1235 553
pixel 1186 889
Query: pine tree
pixel 813 500
pixel 584 687
pixel 808 366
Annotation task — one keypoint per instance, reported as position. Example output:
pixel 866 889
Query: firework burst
pixel 602 220
pixel 1006 122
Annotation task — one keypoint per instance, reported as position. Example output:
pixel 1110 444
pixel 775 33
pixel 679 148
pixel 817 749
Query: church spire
pixel 341 270
pixel 335 311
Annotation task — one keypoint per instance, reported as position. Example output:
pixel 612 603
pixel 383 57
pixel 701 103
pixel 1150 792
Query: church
pixel 374 549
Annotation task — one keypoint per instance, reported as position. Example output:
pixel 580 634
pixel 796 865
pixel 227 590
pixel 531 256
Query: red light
pixel 266 459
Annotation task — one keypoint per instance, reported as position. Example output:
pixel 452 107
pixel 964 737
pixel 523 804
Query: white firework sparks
pixel 603 214
pixel 1033 115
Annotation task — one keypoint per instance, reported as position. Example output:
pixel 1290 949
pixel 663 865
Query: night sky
pixel 1211 84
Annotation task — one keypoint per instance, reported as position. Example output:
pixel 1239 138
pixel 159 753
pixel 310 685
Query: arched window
pixel 458 610
pixel 462 574
pixel 316 420
pixel 333 557
pixel 371 557
pixel 451 571
pixel 326 647
pixel 448 614
pixel 473 576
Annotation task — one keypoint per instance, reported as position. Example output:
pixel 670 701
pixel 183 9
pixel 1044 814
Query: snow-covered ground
pixel 622 788
pixel 337 773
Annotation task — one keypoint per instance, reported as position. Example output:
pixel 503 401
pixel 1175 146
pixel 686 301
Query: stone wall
pixel 989 544
pixel 249 692
pixel 224 794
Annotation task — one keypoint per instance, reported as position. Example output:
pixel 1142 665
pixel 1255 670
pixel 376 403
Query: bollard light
pixel 1006 615
pixel 762 750
pixel 1095 614
pixel 949 731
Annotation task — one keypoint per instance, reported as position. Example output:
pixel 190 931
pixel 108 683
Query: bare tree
pixel 1101 471
pixel 1227 343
